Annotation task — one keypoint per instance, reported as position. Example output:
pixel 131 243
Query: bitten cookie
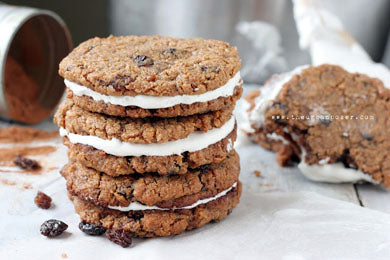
pixel 335 121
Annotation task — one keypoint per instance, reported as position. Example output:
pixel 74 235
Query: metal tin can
pixel 33 42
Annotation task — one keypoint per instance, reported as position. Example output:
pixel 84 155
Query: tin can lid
pixel 31 87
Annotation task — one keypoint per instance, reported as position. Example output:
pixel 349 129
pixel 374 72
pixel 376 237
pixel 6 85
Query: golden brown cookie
pixel 147 130
pixel 150 65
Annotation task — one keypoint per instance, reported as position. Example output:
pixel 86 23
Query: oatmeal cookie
pixel 144 131
pixel 151 65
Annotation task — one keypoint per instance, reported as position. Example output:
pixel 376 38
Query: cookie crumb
pixel 257 173
pixel 42 200
pixel 63 255
pixel 26 164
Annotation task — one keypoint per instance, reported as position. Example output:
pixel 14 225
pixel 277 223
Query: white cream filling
pixel 139 206
pixel 154 102
pixel 276 137
pixel 195 141
pixel 324 172
pixel 333 173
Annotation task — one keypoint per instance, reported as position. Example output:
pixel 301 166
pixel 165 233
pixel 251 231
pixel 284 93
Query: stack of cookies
pixel 149 126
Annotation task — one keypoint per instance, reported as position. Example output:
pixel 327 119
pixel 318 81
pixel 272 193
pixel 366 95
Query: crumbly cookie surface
pixel 220 103
pixel 164 165
pixel 157 223
pixel 144 131
pixel 151 65
pixel 151 189
pixel 361 141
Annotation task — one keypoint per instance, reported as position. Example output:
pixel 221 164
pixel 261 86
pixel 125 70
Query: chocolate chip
pixel 53 228
pixel 25 163
pixel 42 200
pixel 120 236
pixel 91 229
pixel 143 60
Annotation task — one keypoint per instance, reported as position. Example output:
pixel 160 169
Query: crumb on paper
pixel 64 255
pixel 257 173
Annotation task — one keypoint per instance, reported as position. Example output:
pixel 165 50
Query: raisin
pixel 143 60
pixel 135 215
pixel 209 69
pixel 175 53
pixel 366 136
pixel 25 163
pixel 120 236
pixel 53 228
pixel 42 200
pixel 169 51
pixel 91 229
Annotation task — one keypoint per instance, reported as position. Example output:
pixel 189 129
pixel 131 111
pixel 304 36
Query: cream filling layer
pixel 153 102
pixel 195 141
pixel 139 206
pixel 333 173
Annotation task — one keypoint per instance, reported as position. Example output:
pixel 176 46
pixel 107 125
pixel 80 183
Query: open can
pixel 33 42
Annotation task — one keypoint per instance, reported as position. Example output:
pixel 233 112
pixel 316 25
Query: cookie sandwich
pixel 149 126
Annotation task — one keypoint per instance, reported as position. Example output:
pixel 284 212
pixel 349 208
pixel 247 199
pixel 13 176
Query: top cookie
pixel 151 65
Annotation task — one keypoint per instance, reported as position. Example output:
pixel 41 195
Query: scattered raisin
pixel 91 229
pixel 120 236
pixel 143 60
pixel 53 228
pixel 42 200
pixel 25 163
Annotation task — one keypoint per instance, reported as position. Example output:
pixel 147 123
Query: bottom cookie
pixel 156 223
